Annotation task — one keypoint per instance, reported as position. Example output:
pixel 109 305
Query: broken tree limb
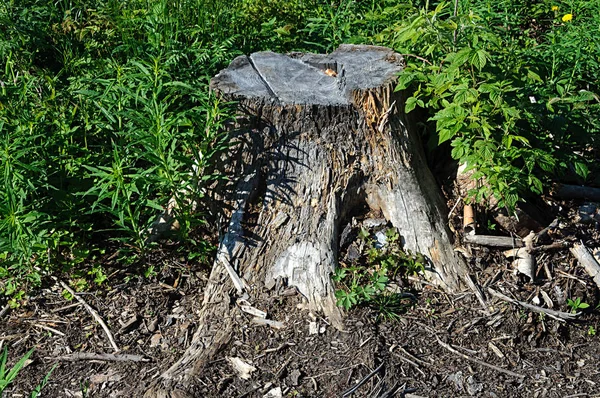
pixel 558 315
pixel 469 220
pixel 589 263
pixel 565 191
pixel 496 241
pixel 524 261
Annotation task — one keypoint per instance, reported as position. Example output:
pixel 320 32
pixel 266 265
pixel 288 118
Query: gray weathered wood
pixel 496 241
pixel 587 260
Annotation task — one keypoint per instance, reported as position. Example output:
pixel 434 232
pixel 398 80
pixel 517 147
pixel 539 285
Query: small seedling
pixel 591 331
pixel 7 377
pixel 577 304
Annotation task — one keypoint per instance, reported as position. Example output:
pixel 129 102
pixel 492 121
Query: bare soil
pixel 443 346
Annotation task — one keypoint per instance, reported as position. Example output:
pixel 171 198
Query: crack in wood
pixel 262 78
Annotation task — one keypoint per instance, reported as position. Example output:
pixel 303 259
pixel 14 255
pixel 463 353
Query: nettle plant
pixel 497 110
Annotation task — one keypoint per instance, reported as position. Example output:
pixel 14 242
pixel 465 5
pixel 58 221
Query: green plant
pixel 591 331
pixel 150 272
pixel 38 389
pixel 366 281
pixel 497 110
pixel 577 304
pixel 105 117
pixel 7 376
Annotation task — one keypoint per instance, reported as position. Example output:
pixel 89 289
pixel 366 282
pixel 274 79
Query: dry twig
pixel 4 310
pixel 480 362
pixel 558 315
pixel 363 381
pixel 94 313
pixel 91 356
pixel 408 361
pixel 48 328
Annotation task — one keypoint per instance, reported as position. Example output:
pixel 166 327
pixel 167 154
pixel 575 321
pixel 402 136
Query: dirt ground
pixel 443 346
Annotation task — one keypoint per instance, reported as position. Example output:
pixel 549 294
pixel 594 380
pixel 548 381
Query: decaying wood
pixel 565 191
pixel 469 220
pixel 495 241
pixel 558 315
pixel 589 263
pixel 524 261
pixel 322 137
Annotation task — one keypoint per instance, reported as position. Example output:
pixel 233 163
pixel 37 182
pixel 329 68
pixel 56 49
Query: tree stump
pixel 321 135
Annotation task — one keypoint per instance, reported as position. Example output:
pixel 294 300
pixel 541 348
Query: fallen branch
pixel 90 356
pixel 565 191
pixel 94 313
pixel 558 315
pixel 478 361
pixel 585 258
pixel 496 241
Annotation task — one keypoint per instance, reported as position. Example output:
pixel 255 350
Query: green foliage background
pixel 105 111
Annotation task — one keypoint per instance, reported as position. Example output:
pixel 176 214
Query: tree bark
pixel 320 136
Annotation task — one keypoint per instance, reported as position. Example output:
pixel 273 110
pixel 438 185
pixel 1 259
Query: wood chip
pixel 243 369
pixel 253 311
pixel 268 322
pixel 104 378
pixel 496 350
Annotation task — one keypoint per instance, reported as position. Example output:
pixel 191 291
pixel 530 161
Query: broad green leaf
pixel 531 75
pixel 460 57
pixel 411 103
pixel 581 169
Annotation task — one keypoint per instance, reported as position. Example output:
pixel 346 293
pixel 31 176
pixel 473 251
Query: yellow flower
pixel 554 8
pixel 567 17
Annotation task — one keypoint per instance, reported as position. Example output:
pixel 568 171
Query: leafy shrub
pixel 515 118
